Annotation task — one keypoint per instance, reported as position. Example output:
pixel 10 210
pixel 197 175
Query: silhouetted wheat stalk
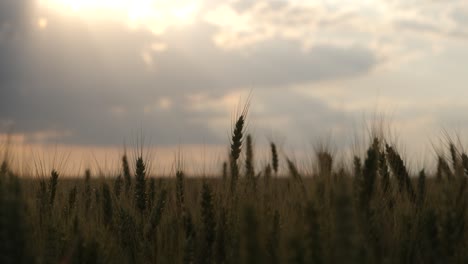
pixel 156 214
pixel 249 160
pixel 236 146
pixel 87 190
pixel 274 157
pixel 209 224
pixel 118 186
pixel 294 172
pixel 421 189
pixel 126 174
pixel 399 170
pixel 237 138
pixel 53 186
pixel 180 192
pixel 140 185
pixel 107 210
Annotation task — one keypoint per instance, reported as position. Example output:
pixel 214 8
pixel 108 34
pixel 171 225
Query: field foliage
pixel 376 212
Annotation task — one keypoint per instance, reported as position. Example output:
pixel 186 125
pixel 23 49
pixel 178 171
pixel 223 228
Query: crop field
pixel 375 212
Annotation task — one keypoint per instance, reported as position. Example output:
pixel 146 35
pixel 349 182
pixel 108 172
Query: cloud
pixel 91 86
pixel 460 15
pixel 15 13
pixel 82 81
pixel 265 20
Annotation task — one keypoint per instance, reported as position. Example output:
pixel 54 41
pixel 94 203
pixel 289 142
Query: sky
pixel 95 74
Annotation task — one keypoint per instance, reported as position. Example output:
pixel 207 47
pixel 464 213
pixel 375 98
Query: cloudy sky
pixel 93 73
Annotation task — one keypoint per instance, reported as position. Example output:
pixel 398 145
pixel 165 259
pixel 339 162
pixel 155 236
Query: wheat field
pixel 374 212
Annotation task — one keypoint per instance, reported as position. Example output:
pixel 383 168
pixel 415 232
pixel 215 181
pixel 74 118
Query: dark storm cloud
pixel 90 81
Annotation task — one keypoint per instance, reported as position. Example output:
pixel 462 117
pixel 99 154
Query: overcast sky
pixel 92 73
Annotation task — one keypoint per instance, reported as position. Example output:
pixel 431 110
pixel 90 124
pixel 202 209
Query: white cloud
pixel 399 31
pixel 155 16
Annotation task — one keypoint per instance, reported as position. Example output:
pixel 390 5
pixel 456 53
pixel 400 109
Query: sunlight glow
pixel 155 15
pixel 42 23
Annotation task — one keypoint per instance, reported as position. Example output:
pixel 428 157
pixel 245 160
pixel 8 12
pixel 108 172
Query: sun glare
pixel 149 13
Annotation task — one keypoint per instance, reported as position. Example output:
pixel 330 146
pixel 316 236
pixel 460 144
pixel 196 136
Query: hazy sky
pixel 93 72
